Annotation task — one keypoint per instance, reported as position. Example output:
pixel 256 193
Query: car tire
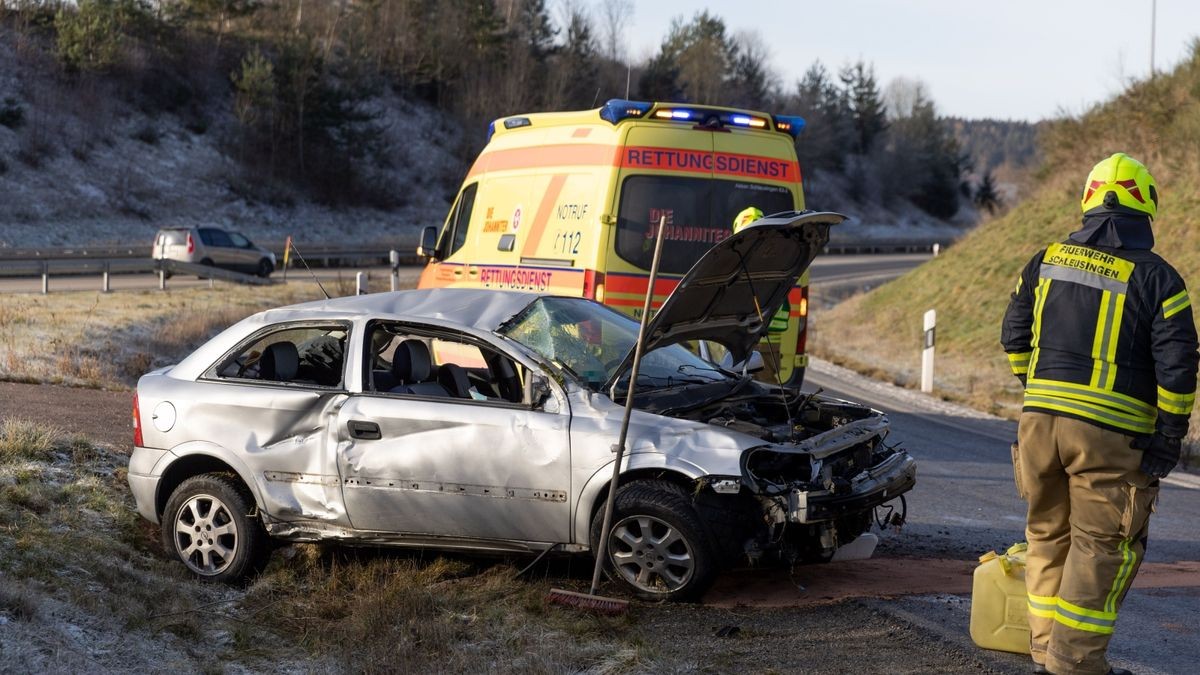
pixel 264 268
pixel 207 262
pixel 208 525
pixel 658 548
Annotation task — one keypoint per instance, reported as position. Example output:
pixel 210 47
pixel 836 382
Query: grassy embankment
pixel 108 340
pixel 83 586
pixel 1156 121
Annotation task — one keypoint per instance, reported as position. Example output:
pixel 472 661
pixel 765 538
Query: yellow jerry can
pixel 999 605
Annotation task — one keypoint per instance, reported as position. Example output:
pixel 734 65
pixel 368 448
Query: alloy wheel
pixel 206 535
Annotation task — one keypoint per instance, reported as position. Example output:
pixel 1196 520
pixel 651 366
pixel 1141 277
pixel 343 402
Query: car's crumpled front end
pixel 822 470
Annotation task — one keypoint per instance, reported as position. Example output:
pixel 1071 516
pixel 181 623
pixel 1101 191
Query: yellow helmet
pixel 1120 180
pixel 745 217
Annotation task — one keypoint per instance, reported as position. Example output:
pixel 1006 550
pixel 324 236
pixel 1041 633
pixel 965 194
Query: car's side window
pixel 238 240
pixel 308 355
pixel 219 238
pixel 406 363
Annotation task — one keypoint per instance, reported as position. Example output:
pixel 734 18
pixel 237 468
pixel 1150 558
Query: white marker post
pixel 927 352
pixel 394 260
pixel 360 283
pixel 937 248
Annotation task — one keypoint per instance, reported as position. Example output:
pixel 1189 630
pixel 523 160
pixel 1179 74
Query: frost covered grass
pixel 108 340
pixel 84 585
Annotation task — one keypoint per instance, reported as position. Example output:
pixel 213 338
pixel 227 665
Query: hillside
pixel 1156 121
pixel 89 158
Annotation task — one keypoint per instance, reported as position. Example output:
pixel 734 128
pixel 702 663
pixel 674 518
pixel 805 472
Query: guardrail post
pixel 45 277
pixel 394 259
pixel 162 279
pixel 104 284
pixel 927 352
pixel 360 283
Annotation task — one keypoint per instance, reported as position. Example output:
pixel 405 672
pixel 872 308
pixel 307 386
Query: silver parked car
pixel 215 247
pixel 485 420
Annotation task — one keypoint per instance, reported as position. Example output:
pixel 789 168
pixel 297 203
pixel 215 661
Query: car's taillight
pixel 137 423
pixel 802 334
pixel 191 244
pixel 593 285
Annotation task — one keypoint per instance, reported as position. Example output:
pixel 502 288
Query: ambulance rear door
pixel 665 174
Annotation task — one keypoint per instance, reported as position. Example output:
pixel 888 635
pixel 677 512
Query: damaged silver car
pixel 485 421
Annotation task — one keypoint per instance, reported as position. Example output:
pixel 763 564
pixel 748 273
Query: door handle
pixel 363 430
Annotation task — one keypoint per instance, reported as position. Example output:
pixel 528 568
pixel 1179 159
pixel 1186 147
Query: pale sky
pixel 1014 59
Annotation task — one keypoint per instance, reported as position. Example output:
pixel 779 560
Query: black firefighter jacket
pixel 1104 335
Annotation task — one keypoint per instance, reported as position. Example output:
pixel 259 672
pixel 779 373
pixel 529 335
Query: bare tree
pixel 902 95
pixel 615 18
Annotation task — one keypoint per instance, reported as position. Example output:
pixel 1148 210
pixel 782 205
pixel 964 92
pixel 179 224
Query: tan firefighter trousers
pixel 1089 507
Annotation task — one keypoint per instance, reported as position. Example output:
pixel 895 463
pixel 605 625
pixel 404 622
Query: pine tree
pixel 866 105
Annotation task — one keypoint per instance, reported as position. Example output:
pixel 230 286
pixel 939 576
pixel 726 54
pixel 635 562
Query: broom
pixel 590 601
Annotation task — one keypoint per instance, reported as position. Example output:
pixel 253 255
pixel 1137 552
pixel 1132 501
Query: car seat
pixel 412 368
pixel 454 380
pixel 279 362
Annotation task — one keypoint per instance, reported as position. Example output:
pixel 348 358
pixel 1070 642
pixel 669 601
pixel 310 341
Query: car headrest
pixel 280 361
pixel 454 379
pixel 411 362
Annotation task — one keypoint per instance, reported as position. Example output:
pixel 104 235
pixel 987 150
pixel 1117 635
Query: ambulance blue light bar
pixel 509 123
pixel 618 109
pixel 789 124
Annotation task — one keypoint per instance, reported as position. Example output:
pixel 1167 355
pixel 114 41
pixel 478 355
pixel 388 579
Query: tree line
pixel 303 80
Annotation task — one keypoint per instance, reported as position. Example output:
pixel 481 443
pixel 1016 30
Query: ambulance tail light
pixel 593 285
pixel 618 109
pixel 789 125
pixel 137 423
pixel 802 328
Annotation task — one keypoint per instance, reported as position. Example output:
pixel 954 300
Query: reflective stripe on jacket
pixel 1104 335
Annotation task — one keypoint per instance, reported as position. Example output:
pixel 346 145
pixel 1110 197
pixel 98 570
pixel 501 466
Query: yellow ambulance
pixel 569 203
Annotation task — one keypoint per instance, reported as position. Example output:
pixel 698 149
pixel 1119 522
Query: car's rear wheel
pixel 658 547
pixel 207 262
pixel 265 268
pixel 208 526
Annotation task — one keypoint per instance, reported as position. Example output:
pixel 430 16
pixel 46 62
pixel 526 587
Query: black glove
pixel 1160 454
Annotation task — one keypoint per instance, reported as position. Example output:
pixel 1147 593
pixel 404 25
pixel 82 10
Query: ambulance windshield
pixel 699 212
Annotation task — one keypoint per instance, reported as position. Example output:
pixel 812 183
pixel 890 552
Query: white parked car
pixel 482 420
pixel 215 247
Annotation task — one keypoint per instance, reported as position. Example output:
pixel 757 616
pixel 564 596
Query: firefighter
pixel 779 322
pixel 1100 333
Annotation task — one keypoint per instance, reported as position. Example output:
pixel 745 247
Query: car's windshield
pixel 590 341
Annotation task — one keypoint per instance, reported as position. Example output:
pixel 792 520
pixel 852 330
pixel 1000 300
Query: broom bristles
pixel 591 603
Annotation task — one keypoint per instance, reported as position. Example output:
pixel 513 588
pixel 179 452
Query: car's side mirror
pixel 753 364
pixel 428 247
pixel 538 393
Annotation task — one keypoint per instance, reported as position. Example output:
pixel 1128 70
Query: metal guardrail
pixel 317 255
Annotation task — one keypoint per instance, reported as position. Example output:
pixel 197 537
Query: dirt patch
pixel 103 416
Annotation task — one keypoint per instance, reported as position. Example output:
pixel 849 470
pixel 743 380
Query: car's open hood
pixel 731 293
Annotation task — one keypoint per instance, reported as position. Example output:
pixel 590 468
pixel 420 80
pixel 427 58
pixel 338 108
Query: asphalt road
pixel 829 268
pixel 965 503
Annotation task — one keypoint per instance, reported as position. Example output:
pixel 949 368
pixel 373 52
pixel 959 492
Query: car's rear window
pixel 172 237
pixel 699 213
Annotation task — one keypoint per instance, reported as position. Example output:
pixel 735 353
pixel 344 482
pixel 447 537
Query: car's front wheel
pixel 264 268
pixel 658 546
pixel 208 525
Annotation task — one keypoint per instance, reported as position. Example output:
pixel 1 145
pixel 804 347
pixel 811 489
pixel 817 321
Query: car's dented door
pixel 455 467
